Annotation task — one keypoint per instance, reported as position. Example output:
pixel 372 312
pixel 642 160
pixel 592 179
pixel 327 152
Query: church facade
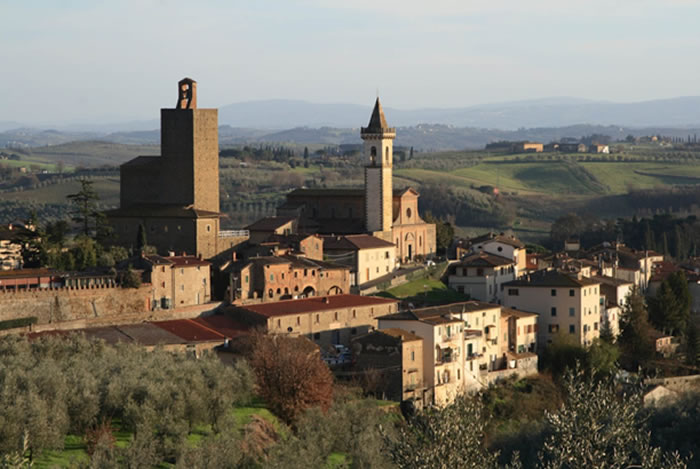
pixel 377 209
pixel 174 196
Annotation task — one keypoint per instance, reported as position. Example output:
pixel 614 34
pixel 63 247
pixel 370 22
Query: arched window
pixel 270 293
pixel 373 155
pixel 386 155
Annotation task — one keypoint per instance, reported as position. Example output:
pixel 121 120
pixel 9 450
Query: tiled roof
pixel 426 315
pixel 405 336
pixel 185 261
pixel 224 325
pixel 354 242
pixel 269 223
pixel 501 238
pixel 190 330
pixel 484 259
pixel 505 312
pixel 457 308
pixel 317 303
pixel 611 280
pixel 551 278
pixel 28 273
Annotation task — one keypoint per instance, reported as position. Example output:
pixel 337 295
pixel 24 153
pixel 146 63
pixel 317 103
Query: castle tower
pixel 379 154
pixel 190 145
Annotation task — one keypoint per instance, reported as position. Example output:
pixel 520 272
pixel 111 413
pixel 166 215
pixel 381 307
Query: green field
pixel 106 187
pixel 91 153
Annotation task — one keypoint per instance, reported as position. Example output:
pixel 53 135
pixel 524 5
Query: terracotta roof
pixel 611 280
pixel 317 303
pixel 505 312
pixel 427 315
pixel 28 273
pixel 148 334
pixel 355 242
pixel 269 223
pixel 185 261
pixel 224 325
pixel 405 336
pixel 501 238
pixel 551 278
pixel 484 259
pixel 190 330
pixel 457 308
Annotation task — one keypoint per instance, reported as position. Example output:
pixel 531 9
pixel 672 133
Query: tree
pixel 84 205
pixel 306 153
pixel 85 253
pixel 442 438
pixel 444 232
pixel 635 339
pixel 566 226
pixel 131 279
pixel 597 427
pixel 141 241
pixel 692 344
pixel 289 373
pixel 669 310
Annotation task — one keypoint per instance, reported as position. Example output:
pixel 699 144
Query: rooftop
pixel 269 223
pixel 377 122
pixel 501 238
pixel 611 280
pixel 355 242
pixel 483 259
pixel 317 303
pixel 405 336
pixel 506 312
pixel 551 278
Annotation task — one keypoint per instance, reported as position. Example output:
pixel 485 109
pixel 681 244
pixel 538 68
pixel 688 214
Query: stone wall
pixel 69 304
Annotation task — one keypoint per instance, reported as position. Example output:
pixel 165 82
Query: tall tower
pixel 379 155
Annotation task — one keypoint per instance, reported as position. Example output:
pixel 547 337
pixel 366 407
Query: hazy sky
pixel 65 61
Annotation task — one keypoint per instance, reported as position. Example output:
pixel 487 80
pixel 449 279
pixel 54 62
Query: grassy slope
pixel 92 153
pixel 107 188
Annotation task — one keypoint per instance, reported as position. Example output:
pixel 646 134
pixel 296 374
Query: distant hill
pixel 548 112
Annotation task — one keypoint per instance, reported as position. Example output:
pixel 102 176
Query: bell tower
pixel 379 155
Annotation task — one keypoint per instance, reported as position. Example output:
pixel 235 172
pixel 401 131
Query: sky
pixel 73 61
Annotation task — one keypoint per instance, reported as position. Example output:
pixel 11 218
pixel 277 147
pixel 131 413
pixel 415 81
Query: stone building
pixel 175 196
pixel 367 256
pixel 481 275
pixel 392 360
pixel 377 209
pixel 326 320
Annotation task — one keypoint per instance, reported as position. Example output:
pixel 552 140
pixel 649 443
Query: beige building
pixel 497 244
pixel 528 147
pixel 393 360
pixel 178 281
pixel 566 304
pixel 326 320
pixel 481 275
pixel 368 257
pixel 443 352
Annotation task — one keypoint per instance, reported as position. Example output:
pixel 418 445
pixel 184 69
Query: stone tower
pixel 190 144
pixel 379 154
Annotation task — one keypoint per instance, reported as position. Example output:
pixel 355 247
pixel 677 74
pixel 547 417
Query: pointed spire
pixel 377 122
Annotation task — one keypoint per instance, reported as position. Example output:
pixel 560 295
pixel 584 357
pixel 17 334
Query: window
pixel 208 228
pixel 513 292
pixel 386 255
pixel 318 318
pixel 554 292
pixel 298 320
pixel 296 274
pixel 313 273
pixel 572 292
pixel 413 355
pixel 479 272
pixel 408 212
pixel 270 293
pixel 572 311
pixel 553 328
pixel 306 272
pixel 182 287
pixel 272 277
pixel 595 326
pixel 499 249
pixel 354 314
pixel 279 323
pixel 317 335
pixel 554 311
pixel 182 271
pixel 335 315
pixel 279 291
pixel 283 276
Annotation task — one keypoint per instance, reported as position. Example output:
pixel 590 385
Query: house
pixel 308 245
pixel 274 278
pixel 368 257
pixel 565 303
pixel 481 275
pixel 394 358
pixel 176 281
pixel 326 320
pixel 443 350
pixel 572 148
pixel 266 227
pixel 527 147
pixel 497 244
pixel 599 148
pixel 636 266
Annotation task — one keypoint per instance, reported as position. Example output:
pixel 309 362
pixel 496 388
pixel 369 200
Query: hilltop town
pixel 384 294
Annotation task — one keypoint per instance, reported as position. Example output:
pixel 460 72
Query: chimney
pixel 326 300
pixel 171 253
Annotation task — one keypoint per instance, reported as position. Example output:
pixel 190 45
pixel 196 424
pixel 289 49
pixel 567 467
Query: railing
pixel 234 234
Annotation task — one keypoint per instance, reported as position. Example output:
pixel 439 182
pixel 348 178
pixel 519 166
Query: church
pixel 378 209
